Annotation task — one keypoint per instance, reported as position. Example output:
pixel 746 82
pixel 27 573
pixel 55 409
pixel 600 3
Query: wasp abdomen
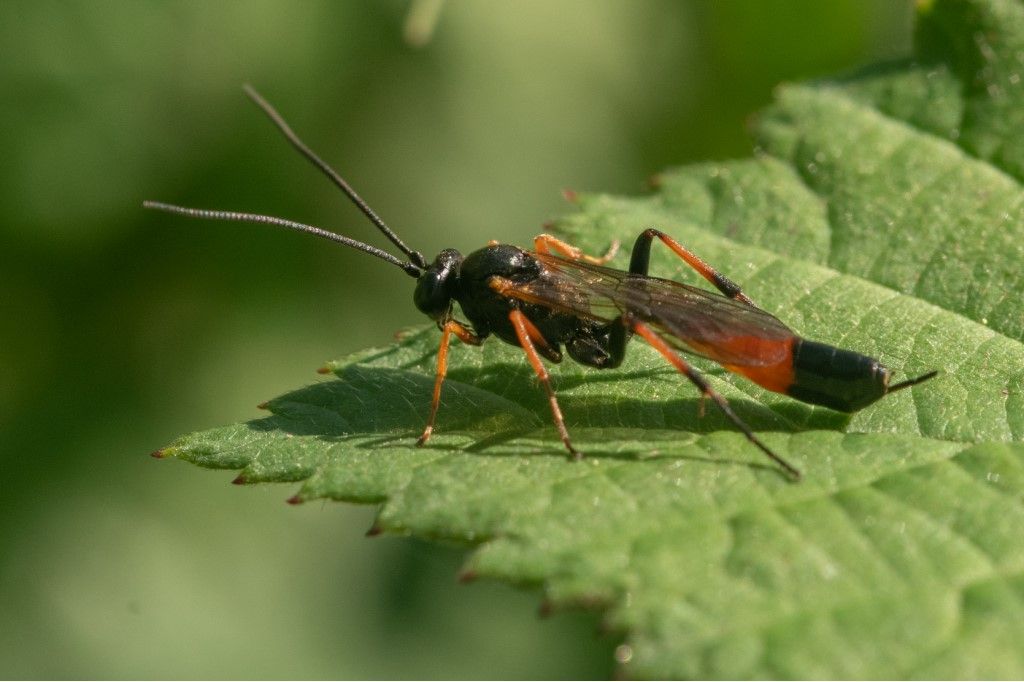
pixel 832 377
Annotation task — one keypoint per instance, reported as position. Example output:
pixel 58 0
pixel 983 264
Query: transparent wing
pixel 695 320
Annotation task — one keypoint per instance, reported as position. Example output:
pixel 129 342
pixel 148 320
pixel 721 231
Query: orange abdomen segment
pixel 777 376
pixel 771 360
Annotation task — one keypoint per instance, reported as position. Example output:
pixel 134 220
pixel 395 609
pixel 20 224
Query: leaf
pixel 882 213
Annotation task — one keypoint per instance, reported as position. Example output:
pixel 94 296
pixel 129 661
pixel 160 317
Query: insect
pixel 555 297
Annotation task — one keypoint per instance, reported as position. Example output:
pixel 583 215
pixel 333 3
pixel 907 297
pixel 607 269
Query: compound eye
pixel 431 296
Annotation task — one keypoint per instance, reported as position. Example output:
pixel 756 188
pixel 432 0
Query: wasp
pixel 556 300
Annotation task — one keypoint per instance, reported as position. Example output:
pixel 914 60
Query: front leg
pixel 447 329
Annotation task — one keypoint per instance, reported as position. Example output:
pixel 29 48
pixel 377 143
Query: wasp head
pixel 436 286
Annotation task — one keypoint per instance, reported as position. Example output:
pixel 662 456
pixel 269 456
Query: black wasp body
pixel 555 297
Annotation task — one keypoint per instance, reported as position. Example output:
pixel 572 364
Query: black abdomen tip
pixel 835 378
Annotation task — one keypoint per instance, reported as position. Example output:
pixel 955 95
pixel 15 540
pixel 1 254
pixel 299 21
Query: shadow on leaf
pixel 503 407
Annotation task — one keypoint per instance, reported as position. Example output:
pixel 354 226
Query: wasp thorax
pixel 434 288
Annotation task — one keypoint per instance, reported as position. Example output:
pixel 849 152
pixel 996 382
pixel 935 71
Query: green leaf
pixel 883 213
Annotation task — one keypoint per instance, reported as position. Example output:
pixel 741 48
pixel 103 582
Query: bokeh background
pixel 121 329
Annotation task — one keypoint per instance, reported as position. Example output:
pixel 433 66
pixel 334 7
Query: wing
pixel 694 320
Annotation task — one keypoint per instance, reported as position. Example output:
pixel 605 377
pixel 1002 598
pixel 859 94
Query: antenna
pixel 409 268
pixel 415 256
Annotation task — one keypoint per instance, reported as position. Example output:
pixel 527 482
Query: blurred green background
pixel 121 329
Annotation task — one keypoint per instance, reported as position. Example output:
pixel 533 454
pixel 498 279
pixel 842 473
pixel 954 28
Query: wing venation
pixel 692 319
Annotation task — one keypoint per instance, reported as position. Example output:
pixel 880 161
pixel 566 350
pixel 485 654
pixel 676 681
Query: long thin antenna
pixel 415 256
pixel 410 268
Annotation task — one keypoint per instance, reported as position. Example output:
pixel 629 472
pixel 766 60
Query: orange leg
pixel 526 332
pixel 545 243
pixel 450 327
pixel 642 254
pixel 508 289
pixel 706 391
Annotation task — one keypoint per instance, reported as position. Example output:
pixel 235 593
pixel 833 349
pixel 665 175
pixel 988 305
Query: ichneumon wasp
pixel 556 297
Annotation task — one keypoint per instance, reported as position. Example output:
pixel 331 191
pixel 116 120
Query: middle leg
pixel 527 333
pixel 545 243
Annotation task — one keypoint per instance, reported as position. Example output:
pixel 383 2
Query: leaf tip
pixel 571 195
pixel 265 405
pixel 467 576
pixel 326 369
pixel 240 479
pixel 546 608
pixel 165 453
pixel 374 531
pixel 295 499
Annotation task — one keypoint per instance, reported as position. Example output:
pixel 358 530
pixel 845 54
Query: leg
pixel 526 332
pixel 545 243
pixel 641 259
pixel 450 327
pixel 505 287
pixel 706 391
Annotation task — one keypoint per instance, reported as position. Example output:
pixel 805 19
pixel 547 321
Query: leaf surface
pixel 882 213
